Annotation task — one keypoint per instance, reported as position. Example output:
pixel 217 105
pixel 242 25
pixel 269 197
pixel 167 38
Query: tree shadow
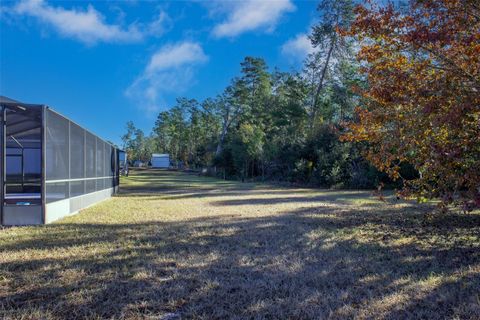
pixel 308 263
pixel 329 257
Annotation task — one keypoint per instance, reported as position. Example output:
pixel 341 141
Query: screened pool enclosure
pixel 50 166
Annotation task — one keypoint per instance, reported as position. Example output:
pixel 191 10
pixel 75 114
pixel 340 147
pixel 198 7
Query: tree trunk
pixel 320 84
pixel 253 168
pixel 263 170
pixel 220 141
pixel 226 124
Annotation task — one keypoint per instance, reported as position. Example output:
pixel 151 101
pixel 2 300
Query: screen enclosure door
pixel 22 163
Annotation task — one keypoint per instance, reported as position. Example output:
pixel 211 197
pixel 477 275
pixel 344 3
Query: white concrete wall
pixel 59 209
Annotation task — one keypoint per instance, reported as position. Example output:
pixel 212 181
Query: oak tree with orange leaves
pixel 422 102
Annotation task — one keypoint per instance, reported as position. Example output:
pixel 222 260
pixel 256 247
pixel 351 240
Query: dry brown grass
pixel 173 245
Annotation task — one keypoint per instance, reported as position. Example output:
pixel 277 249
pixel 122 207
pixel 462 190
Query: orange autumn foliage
pixel 421 104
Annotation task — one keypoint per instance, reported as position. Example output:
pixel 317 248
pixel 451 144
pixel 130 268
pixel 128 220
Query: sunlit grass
pixel 196 247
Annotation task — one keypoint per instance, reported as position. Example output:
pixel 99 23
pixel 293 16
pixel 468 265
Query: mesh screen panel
pixel 90 152
pixel 112 160
pixel 100 185
pixel 57 146
pixel 13 164
pixel 77 154
pixel 117 167
pixel 76 188
pixel 100 157
pixel 32 161
pixel 22 158
pixel 106 160
pixel 56 191
pixel 108 183
pixel 90 186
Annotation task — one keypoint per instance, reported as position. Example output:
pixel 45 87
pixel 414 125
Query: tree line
pixel 390 96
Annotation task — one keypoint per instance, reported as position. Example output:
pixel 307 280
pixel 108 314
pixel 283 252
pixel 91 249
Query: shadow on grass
pixel 302 264
pixel 168 188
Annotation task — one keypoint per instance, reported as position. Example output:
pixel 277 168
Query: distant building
pixel 160 160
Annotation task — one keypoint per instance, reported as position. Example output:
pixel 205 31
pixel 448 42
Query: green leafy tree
pixel 321 67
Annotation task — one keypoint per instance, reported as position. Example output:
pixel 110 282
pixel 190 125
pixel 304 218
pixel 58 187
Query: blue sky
pixel 104 63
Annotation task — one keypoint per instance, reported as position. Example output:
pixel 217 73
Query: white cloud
pixel 251 15
pixel 298 48
pixel 87 25
pixel 170 69
pixel 160 24
pixel 171 56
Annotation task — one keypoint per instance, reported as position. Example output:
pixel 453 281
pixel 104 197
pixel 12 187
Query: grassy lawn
pixel 173 246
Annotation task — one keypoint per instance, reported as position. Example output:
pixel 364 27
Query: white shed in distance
pixel 160 160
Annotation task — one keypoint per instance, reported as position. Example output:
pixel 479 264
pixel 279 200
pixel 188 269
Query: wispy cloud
pixel 87 24
pixel 298 48
pixel 160 24
pixel 252 15
pixel 171 56
pixel 170 69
